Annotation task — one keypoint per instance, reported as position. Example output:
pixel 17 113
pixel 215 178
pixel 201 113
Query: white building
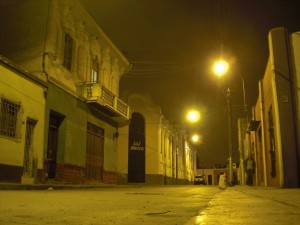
pixel 151 150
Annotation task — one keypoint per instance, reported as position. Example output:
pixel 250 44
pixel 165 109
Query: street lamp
pixel 220 68
pixel 196 138
pixel 193 116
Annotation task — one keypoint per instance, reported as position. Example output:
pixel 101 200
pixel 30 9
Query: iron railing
pixel 96 92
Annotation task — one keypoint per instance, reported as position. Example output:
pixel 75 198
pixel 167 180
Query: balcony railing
pixel 97 93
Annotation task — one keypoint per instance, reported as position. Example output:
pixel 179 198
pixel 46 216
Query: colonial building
pixel 273 137
pixel 22 122
pixel 151 150
pixel 58 42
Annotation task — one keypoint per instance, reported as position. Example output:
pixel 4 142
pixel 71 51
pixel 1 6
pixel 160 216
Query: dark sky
pixel 173 43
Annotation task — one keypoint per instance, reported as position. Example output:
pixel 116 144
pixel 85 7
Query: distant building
pixel 273 137
pixel 151 150
pixel 58 42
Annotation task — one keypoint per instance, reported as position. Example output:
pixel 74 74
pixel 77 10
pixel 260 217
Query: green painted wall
pixel 72 132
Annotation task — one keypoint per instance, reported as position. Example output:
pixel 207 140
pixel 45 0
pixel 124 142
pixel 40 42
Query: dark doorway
pixel 55 120
pixel 136 149
pixel 209 179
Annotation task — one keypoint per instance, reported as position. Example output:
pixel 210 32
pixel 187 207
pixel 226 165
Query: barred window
pixel 68 52
pixel 10 118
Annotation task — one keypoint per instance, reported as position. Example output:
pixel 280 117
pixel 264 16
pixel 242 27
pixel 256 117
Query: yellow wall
pixel 31 96
pixel 295 50
pixel 268 101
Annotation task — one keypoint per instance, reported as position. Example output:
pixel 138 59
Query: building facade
pixel 151 150
pixel 58 42
pixel 273 135
pixel 22 123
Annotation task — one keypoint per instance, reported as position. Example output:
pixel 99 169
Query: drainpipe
pixel 45 40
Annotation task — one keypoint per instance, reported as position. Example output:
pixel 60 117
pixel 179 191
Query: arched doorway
pixel 136 149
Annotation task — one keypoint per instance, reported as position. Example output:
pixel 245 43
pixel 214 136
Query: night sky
pixel 172 45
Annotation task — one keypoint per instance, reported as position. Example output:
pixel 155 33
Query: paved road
pixel 165 205
pixel 242 205
pixel 168 205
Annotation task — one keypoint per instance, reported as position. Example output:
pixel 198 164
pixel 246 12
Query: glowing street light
pixel 193 116
pixel 220 67
pixel 196 138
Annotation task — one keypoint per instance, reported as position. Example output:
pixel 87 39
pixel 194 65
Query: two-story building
pixel 58 42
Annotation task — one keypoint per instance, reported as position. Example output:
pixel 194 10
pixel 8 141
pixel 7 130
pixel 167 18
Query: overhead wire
pixel 153 63
pixel 155 69
pixel 158 69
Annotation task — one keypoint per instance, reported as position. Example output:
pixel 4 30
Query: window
pixel 68 52
pixel 95 70
pixel 10 122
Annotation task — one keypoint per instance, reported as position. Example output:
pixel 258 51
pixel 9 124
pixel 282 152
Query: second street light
pixel 220 68
pixel 193 116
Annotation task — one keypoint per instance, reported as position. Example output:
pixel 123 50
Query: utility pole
pixel 229 136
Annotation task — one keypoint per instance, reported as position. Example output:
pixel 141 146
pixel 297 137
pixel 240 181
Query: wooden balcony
pixel 101 98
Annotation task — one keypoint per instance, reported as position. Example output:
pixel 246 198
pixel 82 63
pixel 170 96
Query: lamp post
pixel 244 98
pixel 228 94
pixel 220 68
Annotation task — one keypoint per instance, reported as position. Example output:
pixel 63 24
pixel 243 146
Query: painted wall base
pixel 27 180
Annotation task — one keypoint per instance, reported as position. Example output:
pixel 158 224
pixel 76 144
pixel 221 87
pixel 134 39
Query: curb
pixel 58 186
pixel 8 186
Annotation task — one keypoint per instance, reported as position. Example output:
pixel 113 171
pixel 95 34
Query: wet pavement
pixel 242 205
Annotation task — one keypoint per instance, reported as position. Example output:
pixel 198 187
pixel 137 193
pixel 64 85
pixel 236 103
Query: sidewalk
pixel 242 205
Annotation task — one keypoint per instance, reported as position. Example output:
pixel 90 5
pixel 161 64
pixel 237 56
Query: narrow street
pixel 165 205
pixel 105 206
